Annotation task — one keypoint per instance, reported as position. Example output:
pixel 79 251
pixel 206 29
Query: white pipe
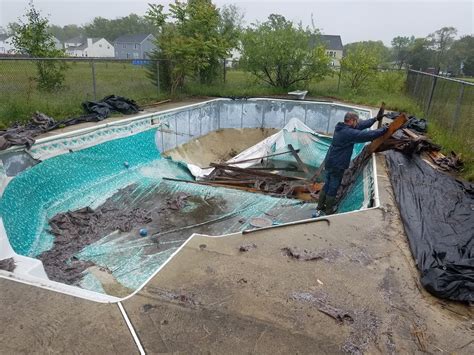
pixel 131 329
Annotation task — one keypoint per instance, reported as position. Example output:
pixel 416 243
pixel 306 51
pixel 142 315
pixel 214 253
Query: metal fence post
pixel 94 88
pixel 457 112
pixel 339 80
pixel 225 70
pixel 430 97
pixel 158 77
pixel 417 83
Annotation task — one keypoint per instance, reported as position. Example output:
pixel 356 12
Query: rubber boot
pixel 322 201
pixel 330 204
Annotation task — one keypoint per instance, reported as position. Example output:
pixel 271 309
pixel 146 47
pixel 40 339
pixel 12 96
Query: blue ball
pixel 143 232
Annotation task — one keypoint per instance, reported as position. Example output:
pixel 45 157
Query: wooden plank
pixel 320 169
pixel 409 133
pixel 380 113
pixel 254 172
pixel 298 160
pixel 258 158
pixel 397 123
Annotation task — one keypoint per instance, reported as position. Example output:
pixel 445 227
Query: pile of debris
pixel 19 134
pixel 269 180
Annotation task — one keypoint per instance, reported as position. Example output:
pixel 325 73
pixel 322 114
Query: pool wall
pixel 176 127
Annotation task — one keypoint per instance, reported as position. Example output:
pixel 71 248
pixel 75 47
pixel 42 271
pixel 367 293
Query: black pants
pixel 332 181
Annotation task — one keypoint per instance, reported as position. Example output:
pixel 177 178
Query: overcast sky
pixel 353 20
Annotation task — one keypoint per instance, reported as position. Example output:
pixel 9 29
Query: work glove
pixel 380 118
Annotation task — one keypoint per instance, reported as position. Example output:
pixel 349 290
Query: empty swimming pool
pixel 101 215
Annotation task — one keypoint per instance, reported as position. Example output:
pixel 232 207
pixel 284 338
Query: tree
pixel 376 47
pixel 420 56
pixel 401 49
pixel 280 54
pixel 189 38
pixel 12 28
pixel 33 39
pixel 441 42
pixel 66 32
pixel 460 52
pixel 112 29
pixel 359 64
pixel 468 66
pixel 230 24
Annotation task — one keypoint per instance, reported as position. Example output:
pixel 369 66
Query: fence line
pixel 446 101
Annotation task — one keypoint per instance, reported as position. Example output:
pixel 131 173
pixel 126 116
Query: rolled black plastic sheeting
pixel 437 211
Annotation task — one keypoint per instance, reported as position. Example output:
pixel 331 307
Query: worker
pixel 338 157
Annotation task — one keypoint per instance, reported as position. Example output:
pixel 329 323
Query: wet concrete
pixel 36 321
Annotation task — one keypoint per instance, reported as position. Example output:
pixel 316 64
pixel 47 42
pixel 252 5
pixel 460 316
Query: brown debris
pixel 73 230
pixel 447 163
pixel 7 264
pixel 303 255
pixel 178 201
pixel 247 247
pixel 320 301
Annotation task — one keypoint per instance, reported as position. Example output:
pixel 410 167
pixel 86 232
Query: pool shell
pixel 178 126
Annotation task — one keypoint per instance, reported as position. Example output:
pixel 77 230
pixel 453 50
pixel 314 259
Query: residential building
pixel 138 46
pixel 89 47
pixel 334 48
pixel 6 46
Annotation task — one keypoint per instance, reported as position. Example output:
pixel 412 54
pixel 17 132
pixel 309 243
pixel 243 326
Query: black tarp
pixel 417 124
pixel 109 104
pixel 437 211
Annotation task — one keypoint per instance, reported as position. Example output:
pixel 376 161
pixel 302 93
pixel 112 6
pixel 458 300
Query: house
pixel 138 46
pixel 74 42
pixel 57 43
pixel 334 48
pixel 233 60
pixel 89 47
pixel 6 46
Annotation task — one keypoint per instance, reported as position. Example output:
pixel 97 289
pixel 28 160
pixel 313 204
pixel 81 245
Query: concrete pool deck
pixel 214 298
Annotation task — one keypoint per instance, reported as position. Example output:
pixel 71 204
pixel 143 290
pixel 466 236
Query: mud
pixel 303 255
pixel 219 146
pixel 73 230
pixel 169 219
pixel 321 302
pixel 182 297
pixel 246 247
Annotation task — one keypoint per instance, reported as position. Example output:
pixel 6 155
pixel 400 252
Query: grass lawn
pixel 20 96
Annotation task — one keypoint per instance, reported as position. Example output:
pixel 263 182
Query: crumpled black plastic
pixel 39 123
pixel 109 104
pixel 417 124
pixel 438 215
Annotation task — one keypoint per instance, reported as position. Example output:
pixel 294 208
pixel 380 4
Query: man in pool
pixel 338 157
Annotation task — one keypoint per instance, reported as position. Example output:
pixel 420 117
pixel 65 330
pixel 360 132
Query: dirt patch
pixel 219 146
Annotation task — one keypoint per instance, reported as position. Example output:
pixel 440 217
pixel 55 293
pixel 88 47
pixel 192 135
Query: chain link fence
pixel 448 102
pixel 84 79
